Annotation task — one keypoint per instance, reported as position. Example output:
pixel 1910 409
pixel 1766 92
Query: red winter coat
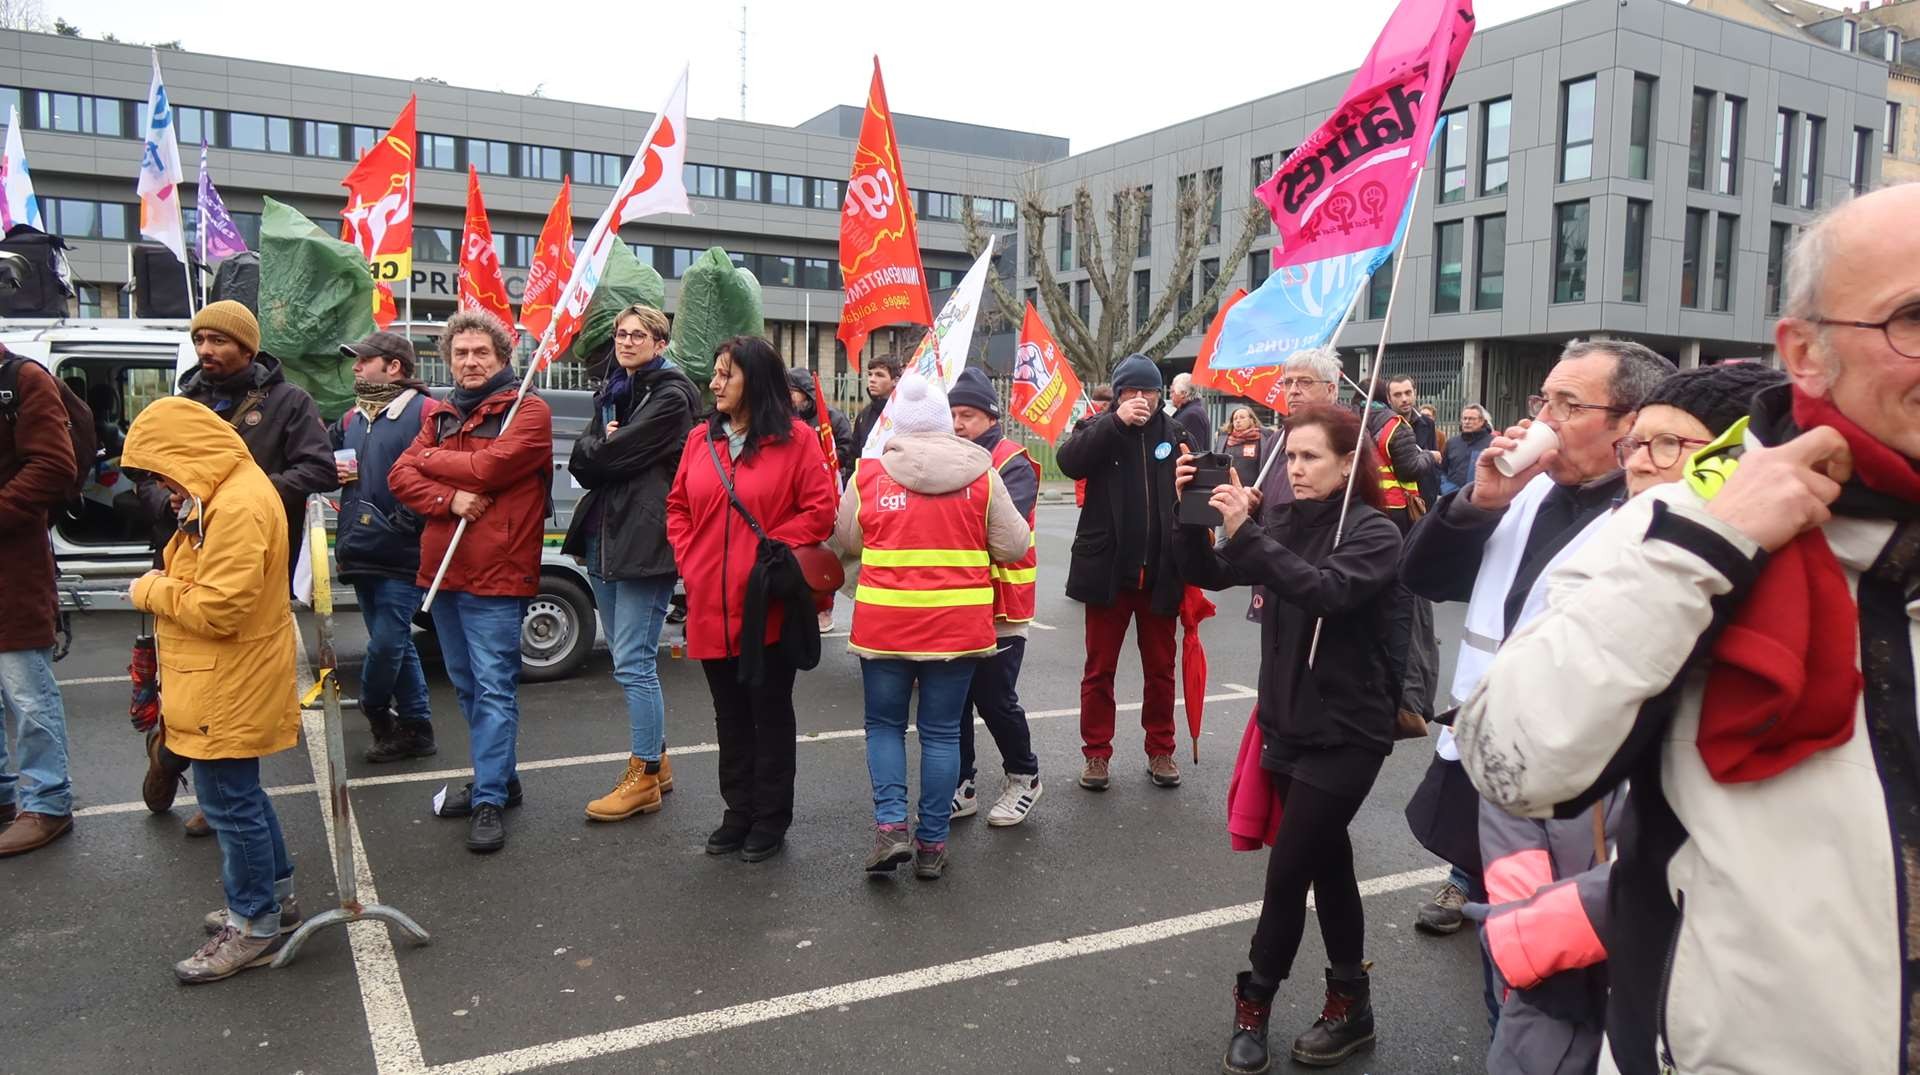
pixel 500 554
pixel 788 488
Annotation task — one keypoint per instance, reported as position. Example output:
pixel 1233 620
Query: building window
pixel 1379 293
pixel 1212 190
pixel 743 185
pixel 79 114
pixel 1849 35
pixel 1209 276
pixel 1723 262
pixel 702 180
pixel 829 194
pixel 935 205
pixel 1570 252
pixel 1066 238
pixel 1691 246
pixel 1576 131
pixel 1860 171
pixel 1146 221
pixel 1184 305
pixel 1810 162
pixel 436 151
pixel 1892 134
pixel 364 139
pixel 1634 260
pixel 1490 262
pixel 320 139
pixel 1699 134
pixel 519 249
pixel 1142 297
pixel 1777 238
pixel 98 302
pixel 1262 171
pixel 1783 123
pixel 435 244
pixel 787 189
pixel 1890 42
pixel 1496 121
pixel 542 162
pixel 78 218
pixel 1732 111
pixel 1453 156
pixel 1082 303
pixel 1447 266
pixel 819 274
pixel 262 134
pixel 196 125
pixel 1640 133
pixel 1259 267
pixel 489 157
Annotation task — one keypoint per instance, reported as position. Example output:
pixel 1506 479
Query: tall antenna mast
pixel 743 63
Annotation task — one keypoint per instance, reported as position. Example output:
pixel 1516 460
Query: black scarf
pixel 465 400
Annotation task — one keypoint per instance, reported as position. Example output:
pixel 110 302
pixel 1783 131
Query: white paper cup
pixel 1540 440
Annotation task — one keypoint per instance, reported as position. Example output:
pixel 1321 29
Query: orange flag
pixel 384 308
pixel 1045 388
pixel 480 285
pixel 378 218
pixel 879 241
pixel 552 263
pixel 1261 384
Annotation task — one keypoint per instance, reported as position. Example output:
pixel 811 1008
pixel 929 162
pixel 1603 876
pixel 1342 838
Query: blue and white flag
pixel 18 206
pixel 160 173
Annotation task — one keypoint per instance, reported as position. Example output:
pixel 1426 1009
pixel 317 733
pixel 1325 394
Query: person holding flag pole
pixel 159 182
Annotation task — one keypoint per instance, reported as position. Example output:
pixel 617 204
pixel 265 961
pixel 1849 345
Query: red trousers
pixel 1106 630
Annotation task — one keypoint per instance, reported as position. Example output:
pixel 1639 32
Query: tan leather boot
pixel 638 792
pixel 665 775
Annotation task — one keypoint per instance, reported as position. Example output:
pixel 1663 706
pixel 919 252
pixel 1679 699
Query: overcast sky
pixel 1036 65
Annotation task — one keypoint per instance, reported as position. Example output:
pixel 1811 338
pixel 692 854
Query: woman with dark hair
pixel 753 449
pixel 1244 440
pixel 1324 720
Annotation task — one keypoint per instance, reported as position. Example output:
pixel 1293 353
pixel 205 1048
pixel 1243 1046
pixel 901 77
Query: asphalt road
pixel 1100 936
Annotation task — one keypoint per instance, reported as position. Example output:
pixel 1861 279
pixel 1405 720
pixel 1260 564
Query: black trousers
pixel 754 727
pixel 1312 851
pixel 995 696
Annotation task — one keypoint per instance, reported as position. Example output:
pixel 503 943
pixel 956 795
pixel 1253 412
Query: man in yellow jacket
pixel 226 646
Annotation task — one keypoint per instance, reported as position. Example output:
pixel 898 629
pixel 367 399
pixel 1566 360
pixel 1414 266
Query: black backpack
pixel 86 442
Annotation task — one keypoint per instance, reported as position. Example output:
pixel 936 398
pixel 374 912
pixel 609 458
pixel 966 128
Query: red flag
pixel 879 241
pixel 1045 388
pixel 1261 384
pixel 384 310
pixel 480 285
pixel 823 427
pixel 378 217
pixel 552 263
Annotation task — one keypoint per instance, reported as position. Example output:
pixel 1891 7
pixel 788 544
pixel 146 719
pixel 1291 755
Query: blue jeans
pixel 39 722
pixel 254 867
pixel 632 611
pixel 943 703
pixel 480 641
pixel 391 677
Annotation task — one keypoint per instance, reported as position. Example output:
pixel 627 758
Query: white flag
pixel 942 353
pixel 19 206
pixel 160 173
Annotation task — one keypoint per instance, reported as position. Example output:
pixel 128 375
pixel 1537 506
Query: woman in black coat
pixel 1325 715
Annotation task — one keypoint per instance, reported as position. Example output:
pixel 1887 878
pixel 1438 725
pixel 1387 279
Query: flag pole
pixel 186 270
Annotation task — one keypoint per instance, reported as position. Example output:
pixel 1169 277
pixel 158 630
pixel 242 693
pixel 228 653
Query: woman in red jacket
pixel 775 466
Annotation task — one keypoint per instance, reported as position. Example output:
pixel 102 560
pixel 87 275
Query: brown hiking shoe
pixel 31 831
pixel 166 772
pixel 638 792
pixel 1094 777
pixel 226 954
pixel 1163 771
pixel 197 826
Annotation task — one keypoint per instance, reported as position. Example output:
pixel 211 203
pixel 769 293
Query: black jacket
pixel 863 425
pixel 283 432
pixel 628 474
pixel 378 535
pixel 842 434
pixel 1462 452
pixel 1350 695
pixel 1127 523
pixel 1193 415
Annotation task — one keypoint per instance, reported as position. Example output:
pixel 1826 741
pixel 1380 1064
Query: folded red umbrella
pixel 144 671
pixel 1194 607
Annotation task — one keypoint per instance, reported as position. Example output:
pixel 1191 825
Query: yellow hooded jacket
pixel 222 621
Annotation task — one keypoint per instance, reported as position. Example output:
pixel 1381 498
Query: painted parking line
pixel 660 1032
pixel 185 800
pixel 88 681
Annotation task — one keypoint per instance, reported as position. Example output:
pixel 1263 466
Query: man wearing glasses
pixel 1746 657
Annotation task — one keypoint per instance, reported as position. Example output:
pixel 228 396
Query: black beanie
pixel 1717 395
pixel 1137 371
pixel 974 390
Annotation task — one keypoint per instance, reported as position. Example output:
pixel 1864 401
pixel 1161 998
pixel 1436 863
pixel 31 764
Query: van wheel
pixel 558 633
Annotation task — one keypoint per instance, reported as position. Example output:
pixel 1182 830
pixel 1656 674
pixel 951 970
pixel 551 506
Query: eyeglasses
pixel 1902 330
pixel 1561 410
pixel 1665 449
pixel 1300 383
pixel 632 337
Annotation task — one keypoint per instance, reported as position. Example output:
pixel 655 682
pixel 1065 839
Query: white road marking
pixel 88 681
pixel 185 800
pixel 659 1032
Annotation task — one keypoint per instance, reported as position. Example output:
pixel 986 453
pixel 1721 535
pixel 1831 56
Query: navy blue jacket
pixel 377 535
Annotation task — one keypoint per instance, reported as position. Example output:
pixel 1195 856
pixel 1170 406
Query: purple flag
pixel 219 238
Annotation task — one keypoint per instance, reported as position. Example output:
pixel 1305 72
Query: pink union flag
pixel 1344 189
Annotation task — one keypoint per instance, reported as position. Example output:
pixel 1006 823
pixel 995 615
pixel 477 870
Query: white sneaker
pixel 1016 801
pixel 965 802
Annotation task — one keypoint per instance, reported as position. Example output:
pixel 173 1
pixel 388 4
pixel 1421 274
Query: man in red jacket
pixel 470 463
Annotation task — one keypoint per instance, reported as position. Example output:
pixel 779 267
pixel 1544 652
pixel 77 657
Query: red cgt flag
pixel 823 428
pixel 378 218
pixel 879 241
pixel 552 263
pixel 1261 384
pixel 480 285
pixel 1045 388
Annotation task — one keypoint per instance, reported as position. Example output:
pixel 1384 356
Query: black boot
pixel 408 739
pixel 1247 1049
pixel 385 727
pixel 1345 1025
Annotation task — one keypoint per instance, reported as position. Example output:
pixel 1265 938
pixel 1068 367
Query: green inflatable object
pixel 624 282
pixel 315 294
pixel 718 300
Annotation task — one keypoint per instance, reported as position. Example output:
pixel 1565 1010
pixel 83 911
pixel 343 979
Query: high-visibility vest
pixel 924 583
pixel 1013 584
pixel 1398 493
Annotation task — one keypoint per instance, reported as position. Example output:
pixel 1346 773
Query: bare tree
pixel 1095 348
pixel 22 15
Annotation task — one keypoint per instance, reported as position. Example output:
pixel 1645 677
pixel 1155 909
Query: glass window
pixel 1453 156
pixel 1066 237
pixel 319 139
pixel 99 301
pixel 436 244
pixel 1891 39
pixel 828 194
pixel 703 179
pixel 1810 162
pixel 1262 171
pixel 1082 301
pixel 1849 35
pixel 1447 266
pixel 1634 262
pixel 1891 135
pixel 1570 252
pixel 1860 172
pixel 1692 243
pixel 1732 112
pixel 248 224
pixel 682 260
pixel 109 119
pixel 1209 276
pixel 196 125
pixel 279 134
pixel 1379 293
pixel 1723 262
pixel 744 185
pixel 787 189
pixel 363 140
pixel 58 111
pixel 1640 133
pixel 1777 239
pixel 1142 297
pixel 1490 262
pixel 11 98
pixel 79 218
pixel 1259 267
pixel 541 162
pixel 816 273
pixel 598 169
pixel 1783 123
pixel 246 131
pixel 1497 122
pixel 1576 132
pixel 436 151
pixel 1184 304
pixel 489 157
pixel 1146 221
pixel 1699 131
pixel 777 270
pixel 1212 189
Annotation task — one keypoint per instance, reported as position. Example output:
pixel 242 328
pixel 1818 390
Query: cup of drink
pixel 348 462
pixel 1538 441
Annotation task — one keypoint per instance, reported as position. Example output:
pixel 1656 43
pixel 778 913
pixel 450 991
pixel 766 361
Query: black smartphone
pixel 1210 469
